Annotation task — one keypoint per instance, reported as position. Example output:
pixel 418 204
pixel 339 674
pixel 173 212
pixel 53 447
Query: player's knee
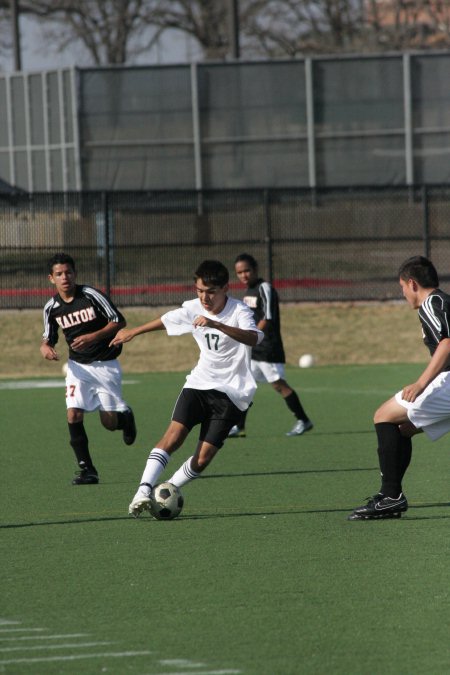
pixel 74 415
pixel 281 387
pixel 378 417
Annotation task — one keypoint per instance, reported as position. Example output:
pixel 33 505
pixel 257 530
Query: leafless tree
pixel 295 27
pixel 117 31
pixel 111 31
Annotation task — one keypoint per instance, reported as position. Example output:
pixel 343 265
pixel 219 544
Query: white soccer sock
pixel 156 463
pixel 184 474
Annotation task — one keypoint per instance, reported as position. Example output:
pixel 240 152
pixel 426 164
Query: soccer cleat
pixel 235 432
pixel 378 507
pixel 129 429
pixel 86 476
pixel 139 504
pixel 300 427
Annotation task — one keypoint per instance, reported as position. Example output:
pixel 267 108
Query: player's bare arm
pixel 83 341
pixel 127 334
pixel 439 361
pixel 246 337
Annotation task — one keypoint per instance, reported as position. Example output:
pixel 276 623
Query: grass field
pixel 260 575
pixel 337 333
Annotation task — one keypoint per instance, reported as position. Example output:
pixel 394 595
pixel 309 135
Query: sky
pixel 37 52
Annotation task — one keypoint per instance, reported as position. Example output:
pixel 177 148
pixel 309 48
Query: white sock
pixel 184 474
pixel 156 463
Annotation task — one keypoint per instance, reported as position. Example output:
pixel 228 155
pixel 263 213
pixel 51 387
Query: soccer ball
pixel 306 361
pixel 166 502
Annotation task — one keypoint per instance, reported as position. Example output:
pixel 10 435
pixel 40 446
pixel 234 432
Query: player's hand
pixel 49 352
pixel 202 322
pixel 122 335
pixel 82 342
pixel 411 392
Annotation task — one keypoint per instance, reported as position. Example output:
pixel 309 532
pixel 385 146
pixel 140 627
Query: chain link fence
pixel 143 247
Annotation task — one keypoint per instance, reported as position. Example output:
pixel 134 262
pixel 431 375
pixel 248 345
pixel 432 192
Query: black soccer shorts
pixel 212 409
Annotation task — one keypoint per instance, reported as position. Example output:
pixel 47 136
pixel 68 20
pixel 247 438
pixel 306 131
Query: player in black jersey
pixel 88 320
pixel 268 357
pixel 421 406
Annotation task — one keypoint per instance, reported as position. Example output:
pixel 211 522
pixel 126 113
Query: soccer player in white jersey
pixel 423 405
pixel 88 320
pixel 219 387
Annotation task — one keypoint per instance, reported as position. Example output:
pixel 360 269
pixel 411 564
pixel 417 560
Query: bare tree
pixel 111 31
pixel 289 28
pixel 117 31
pixel 203 20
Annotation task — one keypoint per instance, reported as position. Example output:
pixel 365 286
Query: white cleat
pixel 139 504
pixel 300 428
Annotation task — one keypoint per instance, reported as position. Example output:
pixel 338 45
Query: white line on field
pixel 201 672
pixel 182 663
pixel 186 663
pixel 42 384
pixel 61 646
pixel 21 630
pixel 76 657
pixel 44 637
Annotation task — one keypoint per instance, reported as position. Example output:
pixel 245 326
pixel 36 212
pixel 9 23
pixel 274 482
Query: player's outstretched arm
pixel 127 334
pixel 247 337
pixel 83 341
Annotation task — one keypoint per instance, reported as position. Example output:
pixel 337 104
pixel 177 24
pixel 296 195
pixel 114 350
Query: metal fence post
pixel 426 222
pixel 107 258
pixel 268 236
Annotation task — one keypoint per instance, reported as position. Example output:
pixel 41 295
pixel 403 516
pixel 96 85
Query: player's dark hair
pixel 247 258
pixel 421 270
pixel 212 273
pixel 60 259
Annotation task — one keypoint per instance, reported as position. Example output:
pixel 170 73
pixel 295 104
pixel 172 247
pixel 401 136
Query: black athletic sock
pixel 390 458
pixel 293 403
pixel 406 454
pixel 80 444
pixel 121 417
pixel 242 419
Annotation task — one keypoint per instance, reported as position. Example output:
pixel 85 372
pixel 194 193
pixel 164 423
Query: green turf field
pixel 260 575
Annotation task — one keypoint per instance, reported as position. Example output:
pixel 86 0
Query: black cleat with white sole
pixel 379 506
pixel 86 476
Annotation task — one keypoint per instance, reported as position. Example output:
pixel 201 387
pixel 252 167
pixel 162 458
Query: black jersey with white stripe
pixel 89 311
pixel 434 315
pixel 262 298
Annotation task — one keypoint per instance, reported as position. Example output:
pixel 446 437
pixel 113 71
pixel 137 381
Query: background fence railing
pixel 322 121
pixel 143 247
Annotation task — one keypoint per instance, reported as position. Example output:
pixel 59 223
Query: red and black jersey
pixel 262 299
pixel 434 315
pixel 89 311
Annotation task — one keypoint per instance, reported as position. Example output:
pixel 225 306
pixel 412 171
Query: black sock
pixel 80 444
pixel 242 418
pixel 293 403
pixel 406 454
pixel 120 420
pixel 390 458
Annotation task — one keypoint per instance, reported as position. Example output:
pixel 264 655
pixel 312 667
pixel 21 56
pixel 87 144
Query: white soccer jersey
pixel 224 363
